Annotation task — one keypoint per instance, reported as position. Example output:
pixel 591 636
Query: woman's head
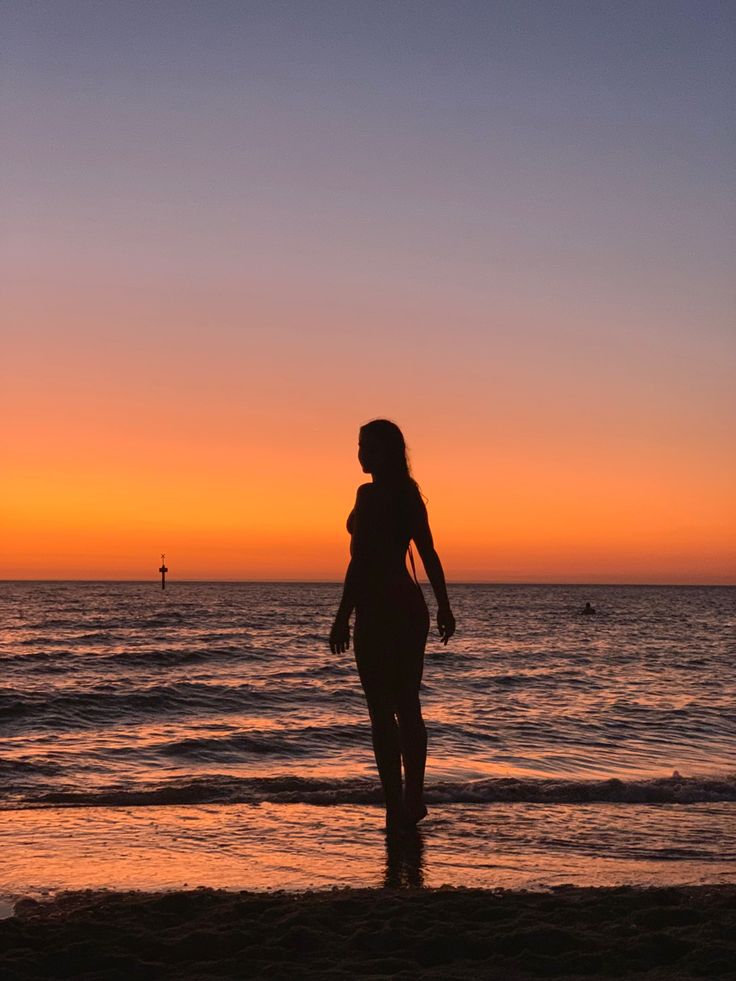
pixel 382 450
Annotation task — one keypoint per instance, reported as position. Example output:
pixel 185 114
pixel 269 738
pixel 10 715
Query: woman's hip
pixel 397 624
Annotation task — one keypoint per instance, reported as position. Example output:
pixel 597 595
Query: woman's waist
pixel 395 589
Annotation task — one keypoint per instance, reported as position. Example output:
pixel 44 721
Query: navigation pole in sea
pixel 163 570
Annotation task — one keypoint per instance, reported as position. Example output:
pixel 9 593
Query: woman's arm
pixel 422 536
pixel 347 602
pixel 340 633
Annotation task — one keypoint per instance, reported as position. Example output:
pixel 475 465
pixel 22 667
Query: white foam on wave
pixel 674 789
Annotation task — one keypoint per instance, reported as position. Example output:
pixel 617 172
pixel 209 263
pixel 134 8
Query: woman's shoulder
pixel 414 495
pixel 407 496
pixel 362 496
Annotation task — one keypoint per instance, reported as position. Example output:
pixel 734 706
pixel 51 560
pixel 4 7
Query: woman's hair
pixel 388 435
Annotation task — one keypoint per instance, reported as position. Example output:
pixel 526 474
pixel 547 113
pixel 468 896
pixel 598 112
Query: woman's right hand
pixel 445 623
pixel 340 635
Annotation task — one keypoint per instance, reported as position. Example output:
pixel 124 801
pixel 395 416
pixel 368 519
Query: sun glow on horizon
pixel 513 237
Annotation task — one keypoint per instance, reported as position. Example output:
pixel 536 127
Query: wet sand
pixel 669 933
pixel 299 847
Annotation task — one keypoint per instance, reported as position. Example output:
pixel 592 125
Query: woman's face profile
pixel 369 454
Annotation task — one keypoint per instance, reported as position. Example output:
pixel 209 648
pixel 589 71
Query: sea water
pixel 205 734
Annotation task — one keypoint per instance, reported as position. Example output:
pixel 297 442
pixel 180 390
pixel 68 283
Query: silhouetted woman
pixel 391 616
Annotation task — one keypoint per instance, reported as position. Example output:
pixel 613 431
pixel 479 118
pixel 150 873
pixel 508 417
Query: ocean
pixel 206 735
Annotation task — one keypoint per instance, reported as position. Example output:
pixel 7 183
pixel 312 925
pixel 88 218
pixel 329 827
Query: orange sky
pixel 237 458
pixel 222 259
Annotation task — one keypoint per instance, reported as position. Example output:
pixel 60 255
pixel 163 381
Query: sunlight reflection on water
pixel 275 846
pixel 112 684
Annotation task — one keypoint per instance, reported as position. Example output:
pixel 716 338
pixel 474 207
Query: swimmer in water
pixel 391 616
pixel 587 610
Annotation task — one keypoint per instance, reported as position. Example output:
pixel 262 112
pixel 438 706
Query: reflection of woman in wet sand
pixel 391 616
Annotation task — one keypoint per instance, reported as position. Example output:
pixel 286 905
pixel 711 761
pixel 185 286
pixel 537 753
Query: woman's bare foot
pixel 414 813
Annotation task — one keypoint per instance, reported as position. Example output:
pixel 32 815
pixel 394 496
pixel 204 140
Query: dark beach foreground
pixel 659 933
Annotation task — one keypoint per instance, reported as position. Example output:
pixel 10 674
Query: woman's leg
pixel 378 686
pixel 387 750
pixel 412 731
pixel 413 741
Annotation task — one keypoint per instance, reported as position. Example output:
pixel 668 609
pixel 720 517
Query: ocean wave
pixel 236 746
pixel 26 768
pixel 303 740
pixel 169 618
pixel 306 790
pixel 145 658
pixel 112 704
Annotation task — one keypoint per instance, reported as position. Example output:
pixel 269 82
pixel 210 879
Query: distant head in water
pixel 382 452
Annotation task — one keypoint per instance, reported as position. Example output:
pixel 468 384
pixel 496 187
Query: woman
pixel 391 616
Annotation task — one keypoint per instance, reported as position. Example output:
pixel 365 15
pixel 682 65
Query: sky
pixel 236 231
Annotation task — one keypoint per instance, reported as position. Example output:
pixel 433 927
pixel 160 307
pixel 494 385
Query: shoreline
pixel 341 934
pixel 309 846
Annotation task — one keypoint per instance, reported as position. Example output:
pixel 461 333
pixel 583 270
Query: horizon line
pixel 339 582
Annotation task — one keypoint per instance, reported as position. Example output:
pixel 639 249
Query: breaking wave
pixel 304 790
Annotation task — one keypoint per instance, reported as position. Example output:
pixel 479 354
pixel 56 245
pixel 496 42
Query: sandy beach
pixel 353 933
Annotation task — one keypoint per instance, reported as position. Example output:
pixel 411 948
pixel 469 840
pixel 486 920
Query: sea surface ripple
pixel 121 693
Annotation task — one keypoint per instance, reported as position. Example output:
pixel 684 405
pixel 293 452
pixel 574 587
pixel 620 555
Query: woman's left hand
pixel 445 623
pixel 340 635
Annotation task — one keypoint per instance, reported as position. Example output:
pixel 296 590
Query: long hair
pixel 391 440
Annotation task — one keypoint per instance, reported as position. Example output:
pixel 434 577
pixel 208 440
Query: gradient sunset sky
pixel 236 231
